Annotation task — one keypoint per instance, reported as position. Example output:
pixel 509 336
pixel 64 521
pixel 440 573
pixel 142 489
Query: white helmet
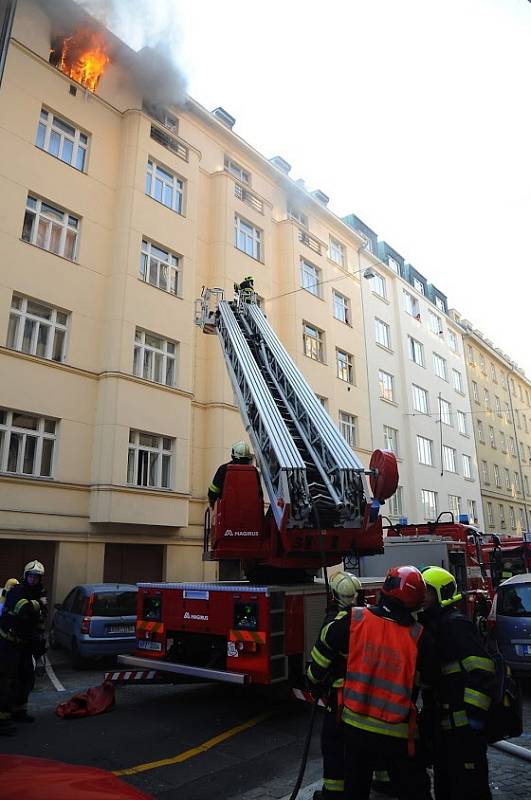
pixel 35 567
pixel 241 450
pixel 345 588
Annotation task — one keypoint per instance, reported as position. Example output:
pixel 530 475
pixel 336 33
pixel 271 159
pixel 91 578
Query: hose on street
pixel 305 752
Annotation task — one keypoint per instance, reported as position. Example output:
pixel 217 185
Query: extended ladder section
pixel 305 462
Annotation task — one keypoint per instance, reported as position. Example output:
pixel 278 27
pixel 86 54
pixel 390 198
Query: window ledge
pixel 315 360
pixel 470 480
pixel 258 260
pixel 160 203
pixel 56 158
pixel 383 347
pixel 25 476
pixel 44 250
pixel 154 286
pixel 381 297
pixel 389 402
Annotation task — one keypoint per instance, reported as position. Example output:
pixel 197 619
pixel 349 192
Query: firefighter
pixel 386 649
pixel 462 696
pixel 245 288
pixel 240 454
pixel 507 571
pixel 3 594
pixel 344 588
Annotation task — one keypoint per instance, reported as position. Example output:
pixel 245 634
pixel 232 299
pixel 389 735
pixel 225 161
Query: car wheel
pixel 78 662
pixel 52 641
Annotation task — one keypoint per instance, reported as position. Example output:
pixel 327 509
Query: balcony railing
pixel 248 197
pixel 169 142
pixel 310 241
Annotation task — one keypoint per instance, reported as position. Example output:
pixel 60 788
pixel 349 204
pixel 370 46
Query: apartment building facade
pixel 115 410
pixel 419 400
pixel 501 414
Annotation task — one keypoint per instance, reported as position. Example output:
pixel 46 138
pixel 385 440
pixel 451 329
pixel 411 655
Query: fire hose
pixel 305 752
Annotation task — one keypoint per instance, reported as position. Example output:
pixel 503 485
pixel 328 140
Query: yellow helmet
pixel 345 588
pixel 444 585
pixel 241 450
pixel 10 583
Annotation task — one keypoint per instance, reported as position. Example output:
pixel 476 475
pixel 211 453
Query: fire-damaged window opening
pixel 83 56
pixel 50 228
pixel 62 140
pixel 161 115
pixel 234 169
pixel 165 187
pixel 169 142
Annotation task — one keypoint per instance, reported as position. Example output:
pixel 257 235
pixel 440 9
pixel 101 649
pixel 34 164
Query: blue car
pixel 510 622
pixel 95 620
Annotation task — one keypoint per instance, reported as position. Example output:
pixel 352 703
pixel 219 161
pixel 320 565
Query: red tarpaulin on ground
pixel 94 701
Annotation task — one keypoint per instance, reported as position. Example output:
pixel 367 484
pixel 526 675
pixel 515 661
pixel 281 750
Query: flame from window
pixel 83 57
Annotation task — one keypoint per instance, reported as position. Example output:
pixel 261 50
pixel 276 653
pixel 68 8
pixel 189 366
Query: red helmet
pixel 407 585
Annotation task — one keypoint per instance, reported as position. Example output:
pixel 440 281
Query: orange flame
pixel 84 58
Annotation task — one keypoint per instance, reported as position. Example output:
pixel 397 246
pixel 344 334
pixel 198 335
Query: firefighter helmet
pixel 443 584
pixel 249 278
pixel 240 451
pixel 9 584
pixel 345 588
pixel 35 568
pixel 405 584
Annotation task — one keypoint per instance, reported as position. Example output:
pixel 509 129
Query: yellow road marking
pixel 195 751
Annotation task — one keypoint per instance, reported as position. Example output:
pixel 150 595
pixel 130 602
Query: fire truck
pixel 322 505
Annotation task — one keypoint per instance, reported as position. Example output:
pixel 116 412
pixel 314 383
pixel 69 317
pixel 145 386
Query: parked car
pixel 509 621
pixel 95 620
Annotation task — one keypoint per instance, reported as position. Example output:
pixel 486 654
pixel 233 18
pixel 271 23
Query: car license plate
pixel 120 628
pixel 144 644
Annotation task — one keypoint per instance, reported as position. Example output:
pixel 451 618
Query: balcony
pixel 246 196
pixel 310 241
pixel 169 142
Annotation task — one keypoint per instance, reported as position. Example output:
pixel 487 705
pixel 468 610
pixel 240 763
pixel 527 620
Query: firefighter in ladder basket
pixel 240 454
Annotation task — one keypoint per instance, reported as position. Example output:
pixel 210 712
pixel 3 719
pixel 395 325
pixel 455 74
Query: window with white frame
pixel 411 305
pixel 517 417
pixel 492 438
pixel 493 373
pixel 481 433
pixel 387 386
pixel 529 452
pixel 485 472
pixel 475 392
pixel 393 264
pixel 454 505
pixel 419 286
pixel 160 268
pixel 382 333
pixel 149 461
pixel 501 509
pixel 526 428
pixel 341 307
pixel 164 186
pixel 348 425
pixel 439 366
pixel 154 358
pixel 490 514
pixel 517 482
pixel 435 323
pixel 344 366
pixel 497 405
pixel 503 381
pixel 486 399
pixel 522 519
pixel 390 439
pixel 458 381
pixel 453 341
pixel 508 484
pixel 512 446
pixel 396 505
pixel 467 466
pixel 429 504
pixel 507 412
pixel 27 443
pixel 470 351
pixel 37 328
pixel 425 451
pixel 512 517
pixel 482 364
pixel 313 342
pixel 310 277
pixel 234 169
pixel 416 351
pixel 298 216
pixel 449 459
pixel 62 140
pixel 445 411
pixel 503 442
pixel 336 252
pixel 497 480
pixel 50 228
pixel 378 285
pixel 420 399
pixel 473 512
pixel 247 238
pixel 526 484
pixel 461 423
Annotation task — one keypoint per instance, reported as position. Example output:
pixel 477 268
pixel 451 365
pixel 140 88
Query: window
pixel 420 400
pixel 247 238
pixel 503 381
pixel 529 452
pixel 512 446
pixel 429 504
pixel 517 416
pixel 313 342
pixel 507 480
pixel 458 381
pixel 454 505
pixel 517 482
pixel 411 305
pixel 341 307
pixel 149 461
pixel 160 268
pixel 387 386
pixel 439 366
pixel 419 286
pixel 507 413
pixel 449 459
pixel 394 265
pixel 390 439
pixel 490 514
pixel 382 333
pixel 486 399
pixel 234 169
pixel 503 442
pixel 298 216
pixel 497 405
pixel 526 483
pixel 348 425
pixel 501 509
pixel 425 451
pixel 445 410
pixel 470 351
pixel 467 466
pixel 461 423
pixel 435 323
pixel 336 252
pixel 473 512
pixel 50 228
pixel 475 392
pixel 164 186
pixel 322 400
pixel 37 329
pixel 344 366
pixel 481 435
pixel 521 513
pixel 396 506
pixel 512 518
pixel 493 373
pixel 154 358
pixel 482 364
pixel 310 277
pixel 416 351
pixel 492 438
pixel 26 443
pixel 485 472
pixel 62 140
pixel 526 428
pixel 497 480
pixel 378 285
pixel 453 341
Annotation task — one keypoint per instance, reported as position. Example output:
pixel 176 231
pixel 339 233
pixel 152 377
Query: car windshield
pixel 114 604
pixel 515 600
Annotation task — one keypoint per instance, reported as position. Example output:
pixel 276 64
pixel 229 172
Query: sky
pixel 412 114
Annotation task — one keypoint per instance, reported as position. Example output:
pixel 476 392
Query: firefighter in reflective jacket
pixel 344 588
pixel 240 454
pixel 246 288
pixel 388 656
pixel 459 708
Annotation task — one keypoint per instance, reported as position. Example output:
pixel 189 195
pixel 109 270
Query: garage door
pixel 15 554
pixel 131 563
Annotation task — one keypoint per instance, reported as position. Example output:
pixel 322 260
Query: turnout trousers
pixel 24 679
pixel 460 766
pixel 332 749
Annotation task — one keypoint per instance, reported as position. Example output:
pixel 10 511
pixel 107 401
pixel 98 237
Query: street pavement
pixel 215 740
